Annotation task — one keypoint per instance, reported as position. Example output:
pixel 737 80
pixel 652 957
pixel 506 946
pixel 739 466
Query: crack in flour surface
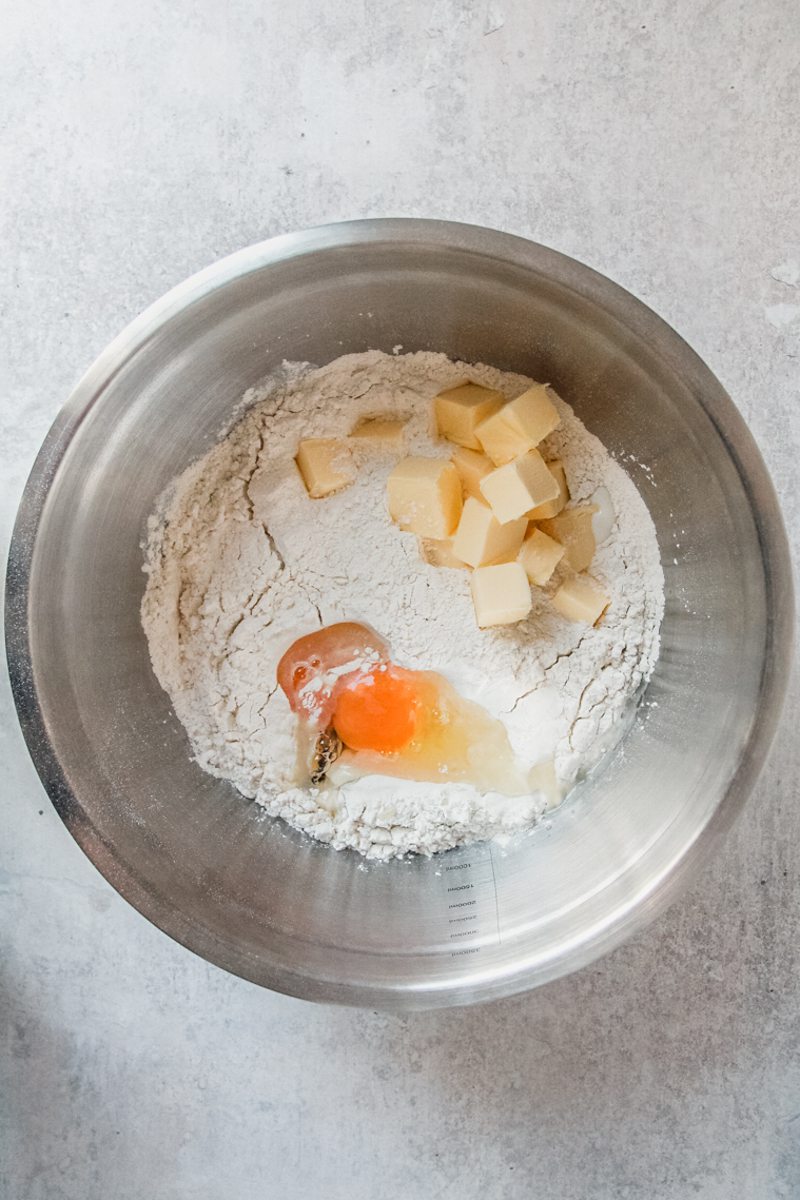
pixel 241 562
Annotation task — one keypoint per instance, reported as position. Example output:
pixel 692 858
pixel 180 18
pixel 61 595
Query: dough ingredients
pixel 241 561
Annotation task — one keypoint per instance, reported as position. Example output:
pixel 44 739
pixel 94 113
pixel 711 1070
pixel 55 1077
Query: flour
pixel 241 562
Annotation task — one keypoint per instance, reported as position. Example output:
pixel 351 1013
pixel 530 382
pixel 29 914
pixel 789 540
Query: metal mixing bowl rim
pixel 626 918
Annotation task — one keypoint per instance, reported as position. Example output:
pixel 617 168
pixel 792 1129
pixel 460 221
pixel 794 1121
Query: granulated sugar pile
pixel 241 562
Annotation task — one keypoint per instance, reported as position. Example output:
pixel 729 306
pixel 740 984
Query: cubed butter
pixel 388 432
pixel 439 554
pixel 325 466
pixel 481 539
pixel 424 496
pixel 472 467
pixel 573 529
pixel 519 486
pixel 604 516
pixel 540 556
pixel 459 411
pixel 519 425
pixel 501 594
pixel 551 508
pixel 581 598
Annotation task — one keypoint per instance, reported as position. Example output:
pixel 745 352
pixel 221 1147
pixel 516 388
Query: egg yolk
pixel 313 669
pixel 360 714
pixel 380 710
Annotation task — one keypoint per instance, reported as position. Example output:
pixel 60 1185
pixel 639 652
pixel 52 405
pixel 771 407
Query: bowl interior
pixel 205 864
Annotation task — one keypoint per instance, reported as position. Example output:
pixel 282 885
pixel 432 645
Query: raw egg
pixel 359 710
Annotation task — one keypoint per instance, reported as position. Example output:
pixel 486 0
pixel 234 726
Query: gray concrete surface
pixel 657 142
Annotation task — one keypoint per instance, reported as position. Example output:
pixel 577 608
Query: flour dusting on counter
pixel 241 561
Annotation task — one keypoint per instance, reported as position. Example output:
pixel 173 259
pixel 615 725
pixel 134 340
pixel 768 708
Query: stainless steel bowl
pixel 252 895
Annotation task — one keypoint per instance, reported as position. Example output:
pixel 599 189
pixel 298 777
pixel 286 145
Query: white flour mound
pixel 241 562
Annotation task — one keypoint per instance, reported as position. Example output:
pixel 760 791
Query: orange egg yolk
pixel 380 710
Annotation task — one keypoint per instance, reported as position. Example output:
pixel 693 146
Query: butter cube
pixel 424 496
pixel 380 429
pixel 573 529
pixel 604 517
pixel 481 539
pixel 472 467
pixel 581 598
pixel 501 594
pixel 439 554
pixel 540 556
pixel 519 486
pixel 325 466
pixel 519 425
pixel 551 508
pixel 459 410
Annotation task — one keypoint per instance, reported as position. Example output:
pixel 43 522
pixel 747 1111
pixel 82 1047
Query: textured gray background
pixel 657 142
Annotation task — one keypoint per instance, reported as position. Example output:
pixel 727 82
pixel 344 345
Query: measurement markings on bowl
pixel 470 897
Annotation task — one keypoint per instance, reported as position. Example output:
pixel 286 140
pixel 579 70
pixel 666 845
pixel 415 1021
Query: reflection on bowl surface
pixel 247 892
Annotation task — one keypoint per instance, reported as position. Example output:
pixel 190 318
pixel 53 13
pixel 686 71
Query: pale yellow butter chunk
pixel 501 594
pixel 540 556
pixel 325 466
pixel 551 508
pixel 424 496
pixel 459 410
pixel 519 425
pixel 481 539
pixel 573 529
pixel 519 486
pixel 472 467
pixel 581 598
pixel 439 554
pixel 604 516
pixel 380 429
